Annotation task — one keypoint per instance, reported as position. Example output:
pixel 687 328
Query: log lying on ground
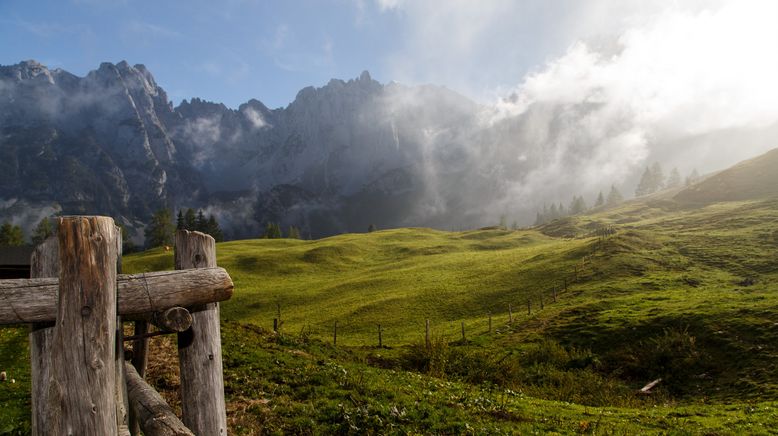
pixel 154 415
pixel 35 300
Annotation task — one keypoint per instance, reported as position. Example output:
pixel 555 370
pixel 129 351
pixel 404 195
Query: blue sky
pixel 230 51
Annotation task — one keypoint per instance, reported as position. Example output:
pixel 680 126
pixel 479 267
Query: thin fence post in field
pixel 43 263
pixel 427 341
pixel 278 316
pixel 510 313
pixel 542 306
pixel 200 348
pixel 564 282
pixel 529 307
pixel 275 325
pixel 490 322
pixel 82 379
pixel 553 293
pixel 463 332
pixel 380 339
pixel 335 335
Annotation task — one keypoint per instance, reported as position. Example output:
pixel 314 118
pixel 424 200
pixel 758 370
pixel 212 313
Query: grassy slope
pixel 670 295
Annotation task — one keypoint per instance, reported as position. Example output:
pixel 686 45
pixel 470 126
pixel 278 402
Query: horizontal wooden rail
pixel 35 300
pixel 154 415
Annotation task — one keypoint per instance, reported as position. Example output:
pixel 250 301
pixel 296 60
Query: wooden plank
pixel 81 392
pixel 199 348
pixel 44 262
pixel 155 416
pixel 35 300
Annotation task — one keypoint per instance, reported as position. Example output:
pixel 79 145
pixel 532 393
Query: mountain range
pixel 337 159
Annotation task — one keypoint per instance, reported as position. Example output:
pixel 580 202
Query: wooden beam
pixel 200 348
pixel 35 300
pixel 82 381
pixel 176 319
pixel 44 262
pixel 154 415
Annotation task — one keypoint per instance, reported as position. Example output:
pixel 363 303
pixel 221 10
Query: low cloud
pixel 254 118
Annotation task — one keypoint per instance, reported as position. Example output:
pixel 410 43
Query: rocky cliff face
pixel 338 158
pixel 94 144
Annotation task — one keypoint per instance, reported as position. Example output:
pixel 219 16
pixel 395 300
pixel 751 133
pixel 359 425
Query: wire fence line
pixel 348 331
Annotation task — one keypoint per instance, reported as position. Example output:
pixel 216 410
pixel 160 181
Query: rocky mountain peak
pixel 27 70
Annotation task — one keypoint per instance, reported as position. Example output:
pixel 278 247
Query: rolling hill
pixel 674 286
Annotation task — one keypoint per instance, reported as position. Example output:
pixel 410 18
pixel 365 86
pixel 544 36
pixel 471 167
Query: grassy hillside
pixel 679 291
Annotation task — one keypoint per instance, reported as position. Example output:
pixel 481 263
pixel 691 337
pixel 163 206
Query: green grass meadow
pixel 683 293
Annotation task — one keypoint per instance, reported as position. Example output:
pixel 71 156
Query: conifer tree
pixel 272 231
pixel 692 177
pixel 657 178
pixel 294 233
pixel 201 223
pixel 539 219
pixel 180 223
pixel 371 228
pixel 11 235
pixel 42 231
pixel 190 220
pixel 577 206
pixel 212 228
pixel 614 197
pixel 600 200
pixel 160 230
pixel 674 179
pixel 645 184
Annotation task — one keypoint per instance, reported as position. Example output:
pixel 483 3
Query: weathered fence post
pixel 140 349
pixel 43 263
pixel 541 301
pixel 335 334
pixel 490 322
pixel 199 348
pixel 82 381
pixel 275 325
pixel 120 392
pixel 529 307
pixel 510 313
pixel 553 293
pixel 380 339
pixel 427 341
pixel 463 332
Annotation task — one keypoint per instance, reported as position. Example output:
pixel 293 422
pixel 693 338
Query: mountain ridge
pixel 336 159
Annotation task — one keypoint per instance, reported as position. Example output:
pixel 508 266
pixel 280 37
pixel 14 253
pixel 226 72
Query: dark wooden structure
pixel 15 262
pixel 77 301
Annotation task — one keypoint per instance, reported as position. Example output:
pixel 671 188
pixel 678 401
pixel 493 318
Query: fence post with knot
pixel 81 398
pixel 199 348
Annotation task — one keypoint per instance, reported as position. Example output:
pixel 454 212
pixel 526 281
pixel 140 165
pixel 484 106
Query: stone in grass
pixel 3 376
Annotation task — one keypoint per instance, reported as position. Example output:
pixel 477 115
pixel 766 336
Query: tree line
pixel 654 180
pixel 161 229
pixel 12 235
pixel 577 206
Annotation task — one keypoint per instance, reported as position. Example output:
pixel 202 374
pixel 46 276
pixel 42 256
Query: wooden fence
pixel 77 302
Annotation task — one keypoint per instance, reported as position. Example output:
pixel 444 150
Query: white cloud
pixel 254 117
